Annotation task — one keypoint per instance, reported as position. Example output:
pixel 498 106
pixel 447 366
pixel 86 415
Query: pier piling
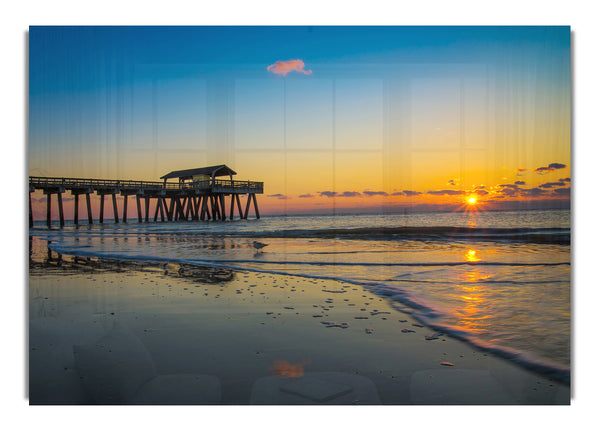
pixel 61 216
pixel 101 208
pixel 76 209
pixel 139 207
pixel 89 208
pixel 115 211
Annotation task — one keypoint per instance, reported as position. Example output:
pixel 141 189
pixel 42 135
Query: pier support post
pixel 147 204
pixel 101 208
pixel 255 205
pixel 89 208
pixel 187 202
pixel 156 210
pixel 215 208
pixel 209 207
pixel 196 208
pixel 49 209
pixel 247 207
pixel 76 209
pixel 139 208
pixel 174 203
pixel 161 204
pixel 179 209
pixel 231 207
pixel 170 210
pixel 203 207
pixel 239 206
pixel 30 213
pixel 223 211
pixel 61 215
pixel 115 212
pixel 125 208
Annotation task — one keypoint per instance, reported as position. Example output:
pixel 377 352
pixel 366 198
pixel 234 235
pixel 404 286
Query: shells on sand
pixel 447 364
pixel 369 330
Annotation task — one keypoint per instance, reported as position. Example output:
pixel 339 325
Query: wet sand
pixel 252 333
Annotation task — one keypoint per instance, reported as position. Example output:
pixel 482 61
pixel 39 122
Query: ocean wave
pixel 559 236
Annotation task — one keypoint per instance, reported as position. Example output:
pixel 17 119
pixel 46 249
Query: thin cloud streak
pixel 370 193
pixel 446 192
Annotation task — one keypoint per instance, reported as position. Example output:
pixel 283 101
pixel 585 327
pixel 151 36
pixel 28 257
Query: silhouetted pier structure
pixel 198 195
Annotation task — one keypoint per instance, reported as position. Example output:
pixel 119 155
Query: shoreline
pixel 252 329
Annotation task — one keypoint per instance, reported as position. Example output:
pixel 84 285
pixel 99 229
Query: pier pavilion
pixel 199 194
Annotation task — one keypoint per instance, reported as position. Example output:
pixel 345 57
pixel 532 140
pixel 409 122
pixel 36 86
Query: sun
pixel 471 204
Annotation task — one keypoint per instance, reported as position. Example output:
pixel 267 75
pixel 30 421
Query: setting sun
pixel 471 200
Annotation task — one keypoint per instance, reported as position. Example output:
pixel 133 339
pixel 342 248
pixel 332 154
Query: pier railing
pixel 40 182
pixel 228 186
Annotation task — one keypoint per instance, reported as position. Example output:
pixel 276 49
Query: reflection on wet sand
pixel 283 369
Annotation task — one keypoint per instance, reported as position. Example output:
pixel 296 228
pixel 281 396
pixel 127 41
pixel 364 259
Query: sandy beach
pixel 102 334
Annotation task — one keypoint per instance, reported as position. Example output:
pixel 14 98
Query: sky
pixel 329 118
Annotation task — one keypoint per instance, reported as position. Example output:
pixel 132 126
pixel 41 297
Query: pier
pixel 199 194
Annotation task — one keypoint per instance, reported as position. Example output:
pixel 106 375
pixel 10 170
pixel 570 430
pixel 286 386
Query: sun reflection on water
pixel 471 256
pixel 473 310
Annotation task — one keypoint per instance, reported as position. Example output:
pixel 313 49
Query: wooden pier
pixel 198 195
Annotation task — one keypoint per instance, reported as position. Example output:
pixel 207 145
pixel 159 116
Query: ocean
pixel 497 280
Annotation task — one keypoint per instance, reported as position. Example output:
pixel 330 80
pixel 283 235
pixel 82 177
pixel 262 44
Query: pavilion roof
pixel 188 174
